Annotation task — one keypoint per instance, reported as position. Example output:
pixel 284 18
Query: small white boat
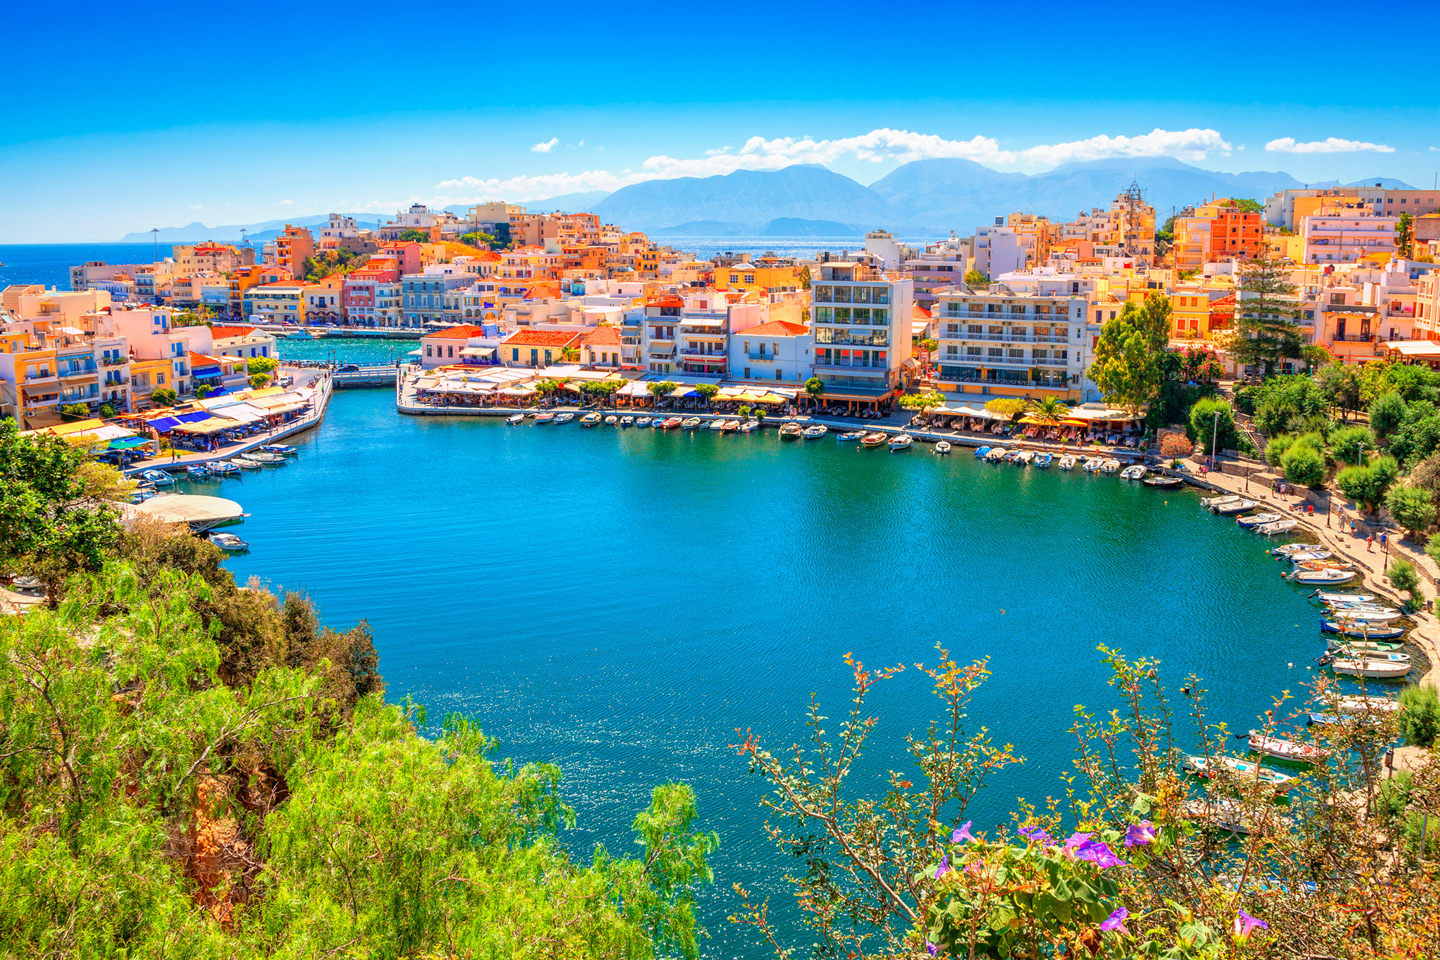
pixel 159 478
pixel 730 426
pixel 626 421
pixel 564 417
pixel 612 420
pixel 1358 703
pixel 1135 472
pixel 1367 649
pixel 1043 460
pixel 1067 462
pixel 1110 466
pixel 515 418
pixel 1025 457
pixel 1324 575
pixel 995 454
pixel 749 425
pixel 1290 549
pixel 1284 525
pixel 715 426
pixel 816 432
pixel 851 436
pixel 689 423
pixel 228 542
pixel 1239 769
pixel 1164 483
pixel 1365 616
pixel 1281 749
pixel 26 583
pixel 942 448
pixel 1093 465
pixel 1308 556
pixel 1210 503
pixel 901 442
pixel 1373 666
pixel 1239 505
pixel 284 449
pixel 1339 597
pixel 224 468
pixel 244 464
pixel 791 430
pixel 589 420
pixel 1255 519
pixel 1224 813
pixel 260 456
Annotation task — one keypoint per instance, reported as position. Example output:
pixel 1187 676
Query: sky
pixel 124 117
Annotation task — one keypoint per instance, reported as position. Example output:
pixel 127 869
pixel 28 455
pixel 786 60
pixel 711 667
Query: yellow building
pixel 762 274
pixel 147 376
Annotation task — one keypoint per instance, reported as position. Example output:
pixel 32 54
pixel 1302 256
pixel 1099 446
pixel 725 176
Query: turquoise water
pixel 620 602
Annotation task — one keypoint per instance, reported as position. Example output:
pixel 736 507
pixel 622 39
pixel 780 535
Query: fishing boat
pixel 228 542
pixel 1255 519
pixel 300 335
pixel 902 442
pixel 790 431
pixel 942 448
pixel 158 477
pixel 626 421
pixel 1359 703
pixel 1290 549
pixel 1352 649
pixel 1067 462
pixel 1110 467
pixel 850 436
pixel 1024 458
pixel 1223 813
pixel 689 423
pixel 996 454
pixel 1209 503
pixel 1372 667
pixel 612 420
pixel 563 418
pixel 1309 556
pixel 590 419
pixel 670 423
pixel 1275 527
pixel 518 418
pixel 730 426
pixel 1135 472
pixel 1238 505
pixel 749 425
pixel 1164 483
pixel 980 452
pixel 1326 575
pixel 284 449
pixel 1282 749
pixel 198 471
pixel 224 467
pixel 260 456
pixel 715 426
pixel 1092 464
pixel 1365 631
pixel 816 432
pixel 874 440
pixel 1010 457
pixel 244 464
pixel 1043 460
pixel 1325 597
pixel 1365 615
pixel 1210 767
pixel 642 421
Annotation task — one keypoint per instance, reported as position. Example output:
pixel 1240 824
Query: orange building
pixel 293 247
pixel 1218 231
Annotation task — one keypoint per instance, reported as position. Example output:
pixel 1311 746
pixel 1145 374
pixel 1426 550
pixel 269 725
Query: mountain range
pixel 923 197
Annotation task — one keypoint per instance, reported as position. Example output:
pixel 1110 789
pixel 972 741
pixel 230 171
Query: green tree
pixel 660 389
pixel 1265 314
pixel 71 412
pixel 1304 465
pixel 107 410
pixel 1420 715
pixel 1411 507
pixel 1368 485
pixel 1316 357
pixel 1340 385
pixel 924 402
pixel 1402 576
pixel 1277 447
pixel 414 236
pixel 1126 367
pixel 1049 408
pixel 1011 407
pixel 805 278
pixel 707 392
pixel 164 397
pixel 976 279
pixel 1348 445
pixel 569 354
pixel 1212 425
pixel 1247 205
pixel 1404 235
pixel 261 365
pixel 815 387
pixel 203 390
pixel 1386 414
pixel 259 381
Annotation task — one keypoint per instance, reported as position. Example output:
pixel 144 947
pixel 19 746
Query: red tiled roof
pixel 665 300
pixel 221 332
pixel 541 338
pixel 776 328
pixel 199 359
pixel 603 337
pixel 462 332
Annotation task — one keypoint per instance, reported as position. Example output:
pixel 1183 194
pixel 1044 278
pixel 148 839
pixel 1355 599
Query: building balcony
pixel 873 341
pixel 1001 337
pixel 852 369
pixel 74 373
pixel 41 377
pixel 113 361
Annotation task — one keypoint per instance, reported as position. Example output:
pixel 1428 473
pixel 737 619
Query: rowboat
pixel 901 442
pixel 690 423
pixel 996 454
pixel 749 425
pixel 1316 553
pixel 850 436
pixel 228 542
pixel 1043 460
pixel 1372 667
pixel 562 418
pixel 540 418
pixel 1367 649
pixel 520 417
pixel 224 467
pixel 612 420
pixel 284 449
pixel 198 471
pixel 1367 612
pixel 1024 458
pixel 816 432
pixel 244 464
pixel 1210 503
pixel 1223 813
pixel 980 452
pixel 1135 472
pixel 1238 505
pixel 1274 527
pixel 642 421
pixel 1239 769
pixel 1164 483
pixel 259 456
pixel 626 421
pixel 942 448
pixel 790 431
pixel 670 423
pixel 1255 519
pixel 874 440
pixel 1109 467
pixel 1339 597
pixel 1281 749
pixel 590 419
pixel 730 426
pixel 1093 465
pixel 1326 575
pixel 1067 462
pixel 714 426
pixel 1358 703
pixel 158 477
pixel 1348 628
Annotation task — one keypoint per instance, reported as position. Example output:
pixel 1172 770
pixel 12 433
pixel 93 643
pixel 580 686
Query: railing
pixel 859 341
pixel 113 361
pixel 1003 338
pixel 702 353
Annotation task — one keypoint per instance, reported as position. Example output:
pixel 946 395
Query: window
pixel 777 374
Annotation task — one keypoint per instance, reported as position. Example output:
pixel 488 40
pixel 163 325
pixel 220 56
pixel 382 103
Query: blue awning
pixel 192 417
pixel 210 370
pixel 128 443
pixel 164 424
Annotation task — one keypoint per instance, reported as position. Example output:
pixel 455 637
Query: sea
pixel 630 604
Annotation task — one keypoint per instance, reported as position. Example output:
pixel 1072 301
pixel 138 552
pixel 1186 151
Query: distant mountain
pixel 265 230
pixel 803 191
pixel 1386 183
pixel 795 227
pixel 567 202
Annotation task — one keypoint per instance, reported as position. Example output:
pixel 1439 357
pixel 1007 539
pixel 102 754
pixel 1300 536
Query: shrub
pixel 1413 508
pixel 164 397
pixel 1348 443
pixel 107 410
pixel 1304 466
pixel 1276 449
pixel 1175 445
pixel 1419 716
pixel 1386 414
pixel 1207 430
pixel 1402 576
pixel 1368 485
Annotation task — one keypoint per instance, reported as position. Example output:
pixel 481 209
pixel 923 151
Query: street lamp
pixel 1214 439
pixel 1360 452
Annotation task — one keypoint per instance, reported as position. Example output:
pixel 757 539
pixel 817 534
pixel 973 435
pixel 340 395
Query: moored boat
pixel 816 431
pixel 1043 460
pixel 730 426
pixel 518 418
pixel 1164 483
pixel 980 452
pixel 642 421
pixel 1359 703
pixel 244 464
pixel 224 468
pixel 1324 575
pixel 1092 465
pixel 612 420
pixel 1275 527
pixel 1281 749
pixel 590 419
pixel 1365 631
pixel 1110 466
pixel 1340 597
pixel 850 436
pixel 1209 503
pixel 942 448
pixel 627 421
pixel 1224 814
pixel 1361 649
pixel 1067 462
pixel 1238 505
pixel 715 426
pixel 561 418
pixel 1024 458
pixel 158 477
pixel 749 425
pixel 1255 519
pixel 996 454
pixel 1210 767
pixel 1133 472
pixel 874 440
pixel 1373 667
pixel 670 423
pixel 790 431
pixel 197 471
pixel 228 542
pixel 260 456
pixel 902 442
pixel 689 423
pixel 284 449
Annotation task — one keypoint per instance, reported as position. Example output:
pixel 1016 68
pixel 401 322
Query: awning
pixel 194 416
pixel 635 388
pixel 683 391
pixel 129 443
pixel 240 413
pixel 1071 422
pixel 164 424
pixel 206 427
pixel 287 408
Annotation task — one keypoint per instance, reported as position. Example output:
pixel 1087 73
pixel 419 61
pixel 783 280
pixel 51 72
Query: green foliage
pixel 707 391
pixel 1008 406
pixel 259 381
pixel 805 278
pixel 1367 485
pixel 1420 715
pixel 1340 385
pixel 976 279
pixel 414 236
pixel 815 387
pixel 1403 576
pixel 340 261
pixel 261 365
pixel 478 238
pixel 1277 447
pixel 928 400
pixel 203 390
pixel 1386 414
pixel 1130 357
pixel 1411 381
pixel 1404 234
pixel 1288 404
pixel 164 397
pixel 660 389
pixel 1411 507
pixel 107 410
pixel 1304 465
pixel 1348 444
pixel 71 412
pixel 1418 434
pixel 1265 314
pixel 1247 205
pixel 1212 425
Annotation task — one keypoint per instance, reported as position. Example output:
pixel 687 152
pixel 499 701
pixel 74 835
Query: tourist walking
pixel 1370 543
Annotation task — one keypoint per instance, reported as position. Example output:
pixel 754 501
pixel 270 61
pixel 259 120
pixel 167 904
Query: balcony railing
pixel 703 353
pixel 1003 338
pixel 113 361
pixel 860 341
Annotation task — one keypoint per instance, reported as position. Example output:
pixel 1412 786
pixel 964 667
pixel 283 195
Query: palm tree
pixel 569 354
pixel 1048 409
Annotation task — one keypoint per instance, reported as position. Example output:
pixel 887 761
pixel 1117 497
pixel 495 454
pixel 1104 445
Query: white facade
pixel 1346 236
pixel 999 249
pixel 861 323
pixel 338 227
pixel 1014 343
pixel 776 351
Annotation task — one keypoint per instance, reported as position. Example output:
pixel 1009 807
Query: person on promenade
pixel 1370 543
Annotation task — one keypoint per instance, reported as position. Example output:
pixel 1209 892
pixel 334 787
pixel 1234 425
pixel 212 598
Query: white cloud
pixel 883 145
pixel 197 206
pixel 1328 145
pixel 286 203
pixel 545 146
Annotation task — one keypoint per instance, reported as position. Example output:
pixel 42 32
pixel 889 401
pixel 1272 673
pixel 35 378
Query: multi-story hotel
pixel 861 322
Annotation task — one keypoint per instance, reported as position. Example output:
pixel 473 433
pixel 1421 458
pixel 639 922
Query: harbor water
pixel 625 603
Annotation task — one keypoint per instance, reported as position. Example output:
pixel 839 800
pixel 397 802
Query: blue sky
pixel 163 114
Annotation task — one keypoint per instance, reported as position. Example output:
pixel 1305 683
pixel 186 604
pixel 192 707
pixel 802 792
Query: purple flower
pixel 1036 835
pixel 1140 834
pixel 931 949
pixel 1076 841
pixel 1246 925
pixel 1116 921
pixel 963 833
pixel 1099 854
pixel 944 867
